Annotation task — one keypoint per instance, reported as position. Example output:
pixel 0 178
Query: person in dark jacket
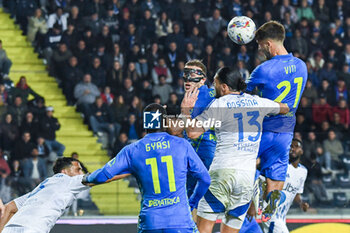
pixel 48 127
pixel 101 119
pixel 30 124
pixel 23 148
pixel 34 168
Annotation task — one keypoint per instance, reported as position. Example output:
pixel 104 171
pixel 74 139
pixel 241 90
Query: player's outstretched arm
pixel 9 210
pixel 284 109
pixel 115 169
pixel 187 105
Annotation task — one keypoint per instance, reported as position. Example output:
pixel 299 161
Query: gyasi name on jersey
pixel 157 145
pixel 242 102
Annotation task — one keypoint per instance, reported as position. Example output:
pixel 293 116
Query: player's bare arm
pixel 9 210
pixel 187 104
pixel 303 205
pixel 284 109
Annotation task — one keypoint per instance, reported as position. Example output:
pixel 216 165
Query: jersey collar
pixel 289 55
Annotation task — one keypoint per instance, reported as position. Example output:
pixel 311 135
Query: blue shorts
pixel 172 230
pixel 274 154
pixel 250 226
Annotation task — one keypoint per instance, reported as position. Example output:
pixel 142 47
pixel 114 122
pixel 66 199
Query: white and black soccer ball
pixel 241 29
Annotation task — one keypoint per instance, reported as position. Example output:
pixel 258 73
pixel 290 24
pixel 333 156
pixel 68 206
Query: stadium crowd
pixel 113 57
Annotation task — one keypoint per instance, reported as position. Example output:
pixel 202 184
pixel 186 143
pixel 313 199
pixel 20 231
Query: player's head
pixel 227 80
pixel 156 108
pixel 195 74
pixel 68 166
pixel 296 150
pixel 269 37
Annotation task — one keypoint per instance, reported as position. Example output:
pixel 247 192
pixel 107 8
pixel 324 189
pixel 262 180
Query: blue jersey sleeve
pixel 120 164
pixel 200 172
pixel 256 79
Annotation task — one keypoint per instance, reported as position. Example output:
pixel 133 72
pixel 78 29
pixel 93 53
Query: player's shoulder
pixel 302 168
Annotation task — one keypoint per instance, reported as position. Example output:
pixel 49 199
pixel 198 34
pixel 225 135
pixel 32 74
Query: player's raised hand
pixel 189 100
pixel 304 206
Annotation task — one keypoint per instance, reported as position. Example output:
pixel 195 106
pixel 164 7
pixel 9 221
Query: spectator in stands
pixel 327 92
pixel 42 148
pixel 305 108
pixel 141 66
pixel 226 56
pixel 301 125
pixel 23 148
pixel 3 98
pixel 333 149
pixel 72 74
pixel 107 96
pixel 58 17
pixel 118 55
pixel 164 26
pixel 5 62
pixel 120 110
pixel 8 133
pixel 120 143
pixel 321 11
pixel 130 38
pixel 305 11
pixel 341 91
pixel 321 111
pixel 161 70
pixel 132 129
pixel 37 26
pixel 310 146
pixel 209 60
pixel 344 113
pixel 328 73
pixel 111 20
pixel 241 66
pixel 75 18
pixel 136 108
pixel 322 133
pixel 98 74
pixel 94 24
pixel 129 91
pixel 132 74
pixel 147 27
pixel 17 110
pixel 82 54
pixel 22 90
pixel 344 74
pixel 317 61
pixel 30 124
pixel 85 92
pixel 338 127
pixel 214 24
pixel 287 8
pixel 48 127
pixel 37 107
pixel 173 105
pixel 101 120
pixel 162 89
pixel 52 38
pixel 146 92
pixel 70 36
pixel 34 168
pixel 115 77
pixel 299 44
pixel 60 58
pixel 173 56
pixel 106 42
pixel 310 91
pixel 190 53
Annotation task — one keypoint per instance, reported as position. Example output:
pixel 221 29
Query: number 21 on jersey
pixel 287 87
pixel 168 160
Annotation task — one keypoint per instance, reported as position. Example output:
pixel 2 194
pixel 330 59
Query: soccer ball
pixel 241 29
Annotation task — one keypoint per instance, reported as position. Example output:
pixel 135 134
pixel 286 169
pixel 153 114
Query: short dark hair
pixel 298 141
pixel 153 108
pixel 198 63
pixel 63 163
pixel 232 78
pixel 270 30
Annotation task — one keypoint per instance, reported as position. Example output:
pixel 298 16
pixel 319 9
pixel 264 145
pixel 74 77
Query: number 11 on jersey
pixel 155 174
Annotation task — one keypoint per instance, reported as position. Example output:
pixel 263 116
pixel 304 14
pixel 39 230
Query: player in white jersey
pixel 39 210
pixel 293 187
pixel 237 118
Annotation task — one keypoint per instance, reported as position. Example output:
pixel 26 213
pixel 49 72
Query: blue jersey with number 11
pixel 281 79
pixel 160 163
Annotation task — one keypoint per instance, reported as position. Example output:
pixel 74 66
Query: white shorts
pixel 13 229
pixel 229 196
pixel 275 226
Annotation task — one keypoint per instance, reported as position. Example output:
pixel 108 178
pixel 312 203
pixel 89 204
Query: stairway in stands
pixel 112 199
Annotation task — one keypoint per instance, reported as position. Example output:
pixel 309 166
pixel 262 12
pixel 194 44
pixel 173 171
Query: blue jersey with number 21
pixel 281 79
pixel 160 163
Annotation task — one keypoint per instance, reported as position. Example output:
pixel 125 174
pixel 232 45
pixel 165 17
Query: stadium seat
pixel 346 161
pixel 343 180
pixel 327 180
pixel 339 199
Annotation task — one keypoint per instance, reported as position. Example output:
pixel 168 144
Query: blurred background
pixel 76 74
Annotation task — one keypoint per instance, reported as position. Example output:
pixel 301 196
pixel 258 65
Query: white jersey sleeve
pixel 19 201
pixel 268 107
pixel 302 180
pixel 75 184
pixel 212 113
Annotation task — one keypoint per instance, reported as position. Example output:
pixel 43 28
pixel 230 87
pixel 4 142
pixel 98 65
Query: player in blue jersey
pixel 281 78
pixel 160 162
pixel 195 75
